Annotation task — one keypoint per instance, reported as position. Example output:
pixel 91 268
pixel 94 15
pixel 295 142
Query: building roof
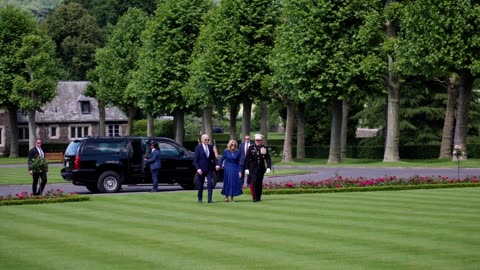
pixel 66 107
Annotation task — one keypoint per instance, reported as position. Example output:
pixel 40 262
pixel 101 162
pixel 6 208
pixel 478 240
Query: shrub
pixel 340 184
pixel 51 196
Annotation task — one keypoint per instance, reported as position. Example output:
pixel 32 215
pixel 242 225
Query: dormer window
pixel 85 107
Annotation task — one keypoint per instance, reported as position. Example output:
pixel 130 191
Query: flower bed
pixel 340 184
pixel 51 196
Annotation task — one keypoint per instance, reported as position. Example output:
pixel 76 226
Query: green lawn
pixel 20 176
pixel 420 229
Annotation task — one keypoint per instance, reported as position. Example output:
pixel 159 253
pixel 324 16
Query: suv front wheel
pixel 109 182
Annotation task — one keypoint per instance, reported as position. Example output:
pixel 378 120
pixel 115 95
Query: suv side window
pixel 168 150
pixel 96 148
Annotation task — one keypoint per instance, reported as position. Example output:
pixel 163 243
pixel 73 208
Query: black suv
pixel 104 164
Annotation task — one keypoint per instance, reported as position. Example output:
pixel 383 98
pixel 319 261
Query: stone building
pixel 70 115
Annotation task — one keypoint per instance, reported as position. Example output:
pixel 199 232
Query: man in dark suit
pixel 204 161
pixel 255 160
pixel 155 164
pixel 243 148
pixel 37 152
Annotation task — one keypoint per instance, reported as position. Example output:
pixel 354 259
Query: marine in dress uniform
pixel 257 164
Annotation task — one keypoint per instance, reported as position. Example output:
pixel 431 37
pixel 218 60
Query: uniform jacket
pixel 257 157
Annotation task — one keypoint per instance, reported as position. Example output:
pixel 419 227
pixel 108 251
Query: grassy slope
pixel 421 229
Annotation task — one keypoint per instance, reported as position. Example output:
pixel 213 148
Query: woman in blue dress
pixel 232 171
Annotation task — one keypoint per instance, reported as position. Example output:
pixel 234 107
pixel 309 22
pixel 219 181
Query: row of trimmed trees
pixel 303 54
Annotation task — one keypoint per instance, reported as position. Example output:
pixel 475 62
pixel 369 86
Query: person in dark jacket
pixel 243 148
pixel 204 160
pixel 37 153
pixel 155 164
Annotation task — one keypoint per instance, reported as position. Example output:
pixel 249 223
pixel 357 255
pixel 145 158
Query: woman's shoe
pixel 226 199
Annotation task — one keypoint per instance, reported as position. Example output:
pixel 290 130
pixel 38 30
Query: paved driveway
pixel 317 173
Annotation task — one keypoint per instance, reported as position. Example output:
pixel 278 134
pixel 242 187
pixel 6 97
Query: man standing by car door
pixel 155 164
pixel 204 161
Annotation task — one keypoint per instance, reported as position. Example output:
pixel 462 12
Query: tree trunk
pixel 131 116
pixel 207 122
pixel 301 130
pixel 32 129
pixel 101 119
pixel 233 121
pixel 150 124
pixel 393 133
pixel 287 144
pixel 393 104
pixel 335 133
pixel 12 111
pixel 344 132
pixel 264 121
pixel 179 126
pixel 461 125
pixel 448 124
pixel 247 116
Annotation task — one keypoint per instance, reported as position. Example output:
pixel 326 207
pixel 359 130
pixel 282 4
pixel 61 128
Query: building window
pixel 53 132
pixel 85 107
pixel 2 136
pixel 23 133
pixel 79 131
pixel 113 130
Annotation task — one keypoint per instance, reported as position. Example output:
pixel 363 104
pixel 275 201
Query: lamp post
pixel 458 153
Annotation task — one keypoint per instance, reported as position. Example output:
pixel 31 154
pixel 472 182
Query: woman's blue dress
pixel 231 179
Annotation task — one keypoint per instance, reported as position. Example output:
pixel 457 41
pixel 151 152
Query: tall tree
pixel 318 55
pixel 108 12
pixel 442 40
pixel 15 24
pixel 166 56
pixel 77 36
pixel 231 58
pixel 117 62
pixel 36 84
pixel 393 84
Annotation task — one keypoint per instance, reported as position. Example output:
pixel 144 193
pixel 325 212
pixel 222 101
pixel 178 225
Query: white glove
pixel 247 172
pixel 268 170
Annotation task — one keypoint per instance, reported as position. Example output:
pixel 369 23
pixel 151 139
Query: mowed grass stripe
pixel 203 252
pixel 114 252
pixel 280 233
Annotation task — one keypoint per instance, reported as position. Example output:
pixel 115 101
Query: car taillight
pixel 76 163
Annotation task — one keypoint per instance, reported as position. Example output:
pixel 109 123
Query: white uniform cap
pixel 258 136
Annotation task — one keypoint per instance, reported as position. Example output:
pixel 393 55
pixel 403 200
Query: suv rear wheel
pixel 109 182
